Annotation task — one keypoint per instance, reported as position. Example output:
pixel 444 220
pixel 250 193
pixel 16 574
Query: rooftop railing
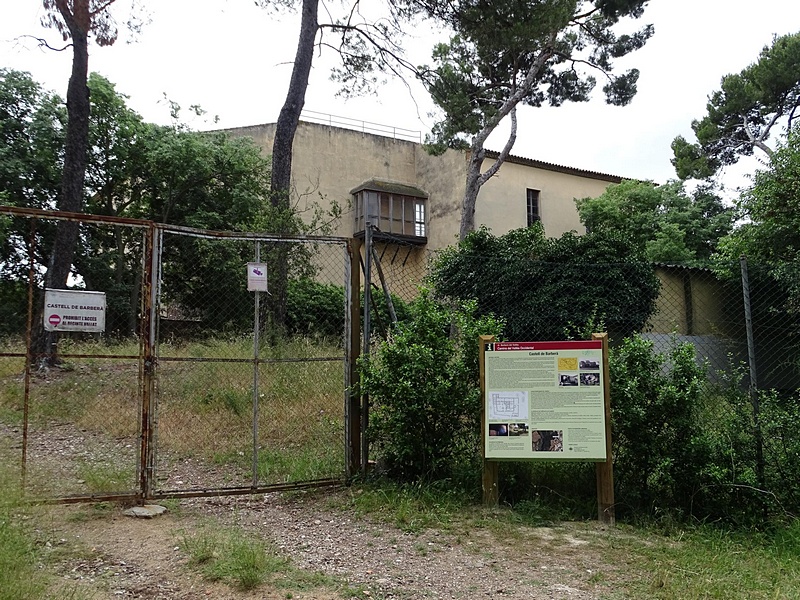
pixel 397 133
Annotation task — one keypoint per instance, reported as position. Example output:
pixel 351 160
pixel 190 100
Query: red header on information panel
pixel 570 345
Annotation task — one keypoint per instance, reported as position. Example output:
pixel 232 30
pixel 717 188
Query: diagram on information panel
pixel 508 405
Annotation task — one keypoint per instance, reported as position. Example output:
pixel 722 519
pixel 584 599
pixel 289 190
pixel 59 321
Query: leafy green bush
pixel 662 452
pixel 315 308
pixel 780 424
pixel 424 388
pixel 550 288
pixel 13 307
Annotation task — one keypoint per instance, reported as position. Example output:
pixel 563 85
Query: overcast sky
pixel 234 59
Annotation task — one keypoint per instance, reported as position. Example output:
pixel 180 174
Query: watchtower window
pixel 392 212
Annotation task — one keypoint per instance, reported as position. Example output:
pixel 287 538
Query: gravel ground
pixel 112 556
pixel 123 557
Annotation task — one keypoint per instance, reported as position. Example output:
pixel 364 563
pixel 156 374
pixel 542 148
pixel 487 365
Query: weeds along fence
pixel 197 386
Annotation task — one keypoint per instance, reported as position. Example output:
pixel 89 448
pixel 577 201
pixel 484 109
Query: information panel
pixel 544 400
pixel 74 310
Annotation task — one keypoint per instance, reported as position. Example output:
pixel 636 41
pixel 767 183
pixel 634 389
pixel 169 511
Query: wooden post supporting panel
pixel 490 476
pixel 605 470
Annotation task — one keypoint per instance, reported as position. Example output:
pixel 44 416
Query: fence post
pixel 353 345
pixel 604 471
pixel 367 332
pixel 28 353
pixel 151 264
pixel 753 388
pixel 256 348
pixel 490 475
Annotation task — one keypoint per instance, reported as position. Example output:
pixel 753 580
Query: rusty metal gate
pixel 198 386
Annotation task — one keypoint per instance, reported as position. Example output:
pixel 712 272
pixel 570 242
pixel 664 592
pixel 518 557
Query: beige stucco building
pixel 406 191
pixel 415 199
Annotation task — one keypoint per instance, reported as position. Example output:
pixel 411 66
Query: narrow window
pixel 419 218
pixel 533 207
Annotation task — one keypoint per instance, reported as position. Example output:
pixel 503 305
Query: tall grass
pixel 19 577
pixel 246 562
pixel 204 412
pixel 709 563
pixel 23 563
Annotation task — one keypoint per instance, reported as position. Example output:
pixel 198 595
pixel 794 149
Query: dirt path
pixel 108 555
pixel 114 556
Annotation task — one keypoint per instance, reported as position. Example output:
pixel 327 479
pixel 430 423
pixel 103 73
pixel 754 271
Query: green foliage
pixel 31 140
pixel 665 222
pixel 31 147
pixel 771 206
pixel 511 51
pixel 779 419
pixel 315 308
pixel 550 288
pixel 413 507
pixel 743 111
pixel 423 384
pixel 687 448
pixel 13 306
pixel 246 562
pixel 711 563
pixel 235 559
pixel 769 239
pixel 19 577
pixel 139 170
pixel 660 448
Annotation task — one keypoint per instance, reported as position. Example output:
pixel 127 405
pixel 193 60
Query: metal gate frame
pixel 352 334
pixel 148 354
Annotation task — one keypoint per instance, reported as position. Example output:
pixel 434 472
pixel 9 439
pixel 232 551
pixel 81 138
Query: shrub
pixel 315 308
pixel 661 451
pixel 424 388
pixel 548 289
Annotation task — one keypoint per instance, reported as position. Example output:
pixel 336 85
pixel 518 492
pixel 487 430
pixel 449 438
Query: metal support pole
pixel 352 410
pixel 748 321
pixel 385 286
pixel 150 295
pixel 751 356
pixel 256 344
pixel 366 340
pixel 28 352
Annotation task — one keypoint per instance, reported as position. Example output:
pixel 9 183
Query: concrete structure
pixel 418 196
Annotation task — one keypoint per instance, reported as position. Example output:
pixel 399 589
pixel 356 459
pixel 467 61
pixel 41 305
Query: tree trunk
pixel 292 107
pixel 72 180
pixel 281 181
pixel 476 179
pixel 471 191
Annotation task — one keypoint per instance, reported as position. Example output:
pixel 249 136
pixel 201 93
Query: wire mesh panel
pixel 12 401
pixel 70 416
pixel 251 362
pixel 697 306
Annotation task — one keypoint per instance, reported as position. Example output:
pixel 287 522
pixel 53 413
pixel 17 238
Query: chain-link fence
pixel 71 398
pixel 251 383
pixel 665 303
pixel 713 433
pixel 211 363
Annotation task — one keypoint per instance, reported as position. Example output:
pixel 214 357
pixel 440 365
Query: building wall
pixel 502 202
pixel 329 161
pixel 692 302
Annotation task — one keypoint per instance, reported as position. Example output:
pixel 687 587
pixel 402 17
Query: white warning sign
pixel 74 310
